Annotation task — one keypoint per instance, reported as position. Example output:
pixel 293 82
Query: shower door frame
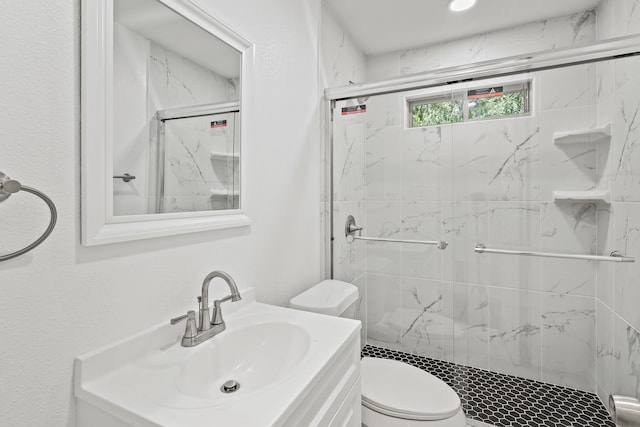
pixel 615 48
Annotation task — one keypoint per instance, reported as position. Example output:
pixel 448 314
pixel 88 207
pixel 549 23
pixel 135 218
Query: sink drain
pixel 230 386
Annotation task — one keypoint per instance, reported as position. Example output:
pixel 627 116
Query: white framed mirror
pixel 163 85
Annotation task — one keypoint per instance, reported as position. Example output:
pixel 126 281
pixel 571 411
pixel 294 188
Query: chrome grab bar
pixel 350 230
pixel 615 256
pixel 125 177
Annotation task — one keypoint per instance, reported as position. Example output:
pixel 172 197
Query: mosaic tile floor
pixel 507 401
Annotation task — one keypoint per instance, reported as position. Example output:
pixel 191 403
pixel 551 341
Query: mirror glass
pixel 176 114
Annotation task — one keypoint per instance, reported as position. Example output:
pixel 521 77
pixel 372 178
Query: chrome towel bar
pixel 10 186
pixel 615 256
pixel 350 230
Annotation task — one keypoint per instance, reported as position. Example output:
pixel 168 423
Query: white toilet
pixel 394 394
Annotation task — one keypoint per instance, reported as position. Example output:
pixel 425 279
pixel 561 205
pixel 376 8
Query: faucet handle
pixel 192 329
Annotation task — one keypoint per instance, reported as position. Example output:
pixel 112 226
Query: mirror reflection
pixel 176 114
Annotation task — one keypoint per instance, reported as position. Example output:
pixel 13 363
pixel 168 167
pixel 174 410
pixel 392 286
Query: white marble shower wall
pixel 485 182
pixel 564 31
pixel 341 62
pixel 194 177
pixel 618 285
pixel 163 79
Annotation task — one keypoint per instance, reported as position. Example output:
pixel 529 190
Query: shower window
pixel 477 103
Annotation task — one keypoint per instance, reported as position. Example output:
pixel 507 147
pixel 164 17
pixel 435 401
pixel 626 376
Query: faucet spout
pixel 205 322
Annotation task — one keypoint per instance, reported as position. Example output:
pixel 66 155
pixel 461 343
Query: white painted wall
pixel 62 299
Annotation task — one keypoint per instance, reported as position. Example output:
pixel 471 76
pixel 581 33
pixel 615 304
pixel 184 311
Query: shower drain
pixel 230 386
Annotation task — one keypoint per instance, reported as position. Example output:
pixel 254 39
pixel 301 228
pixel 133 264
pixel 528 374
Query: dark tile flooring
pixel 507 401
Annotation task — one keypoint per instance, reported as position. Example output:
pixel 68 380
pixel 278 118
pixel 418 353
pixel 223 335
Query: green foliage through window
pixel 460 106
pixel 508 104
pixel 437 113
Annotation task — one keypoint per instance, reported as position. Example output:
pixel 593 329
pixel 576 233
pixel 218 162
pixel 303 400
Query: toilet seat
pixel 403 391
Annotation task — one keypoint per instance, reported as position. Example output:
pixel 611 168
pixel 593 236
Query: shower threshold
pixel 491 399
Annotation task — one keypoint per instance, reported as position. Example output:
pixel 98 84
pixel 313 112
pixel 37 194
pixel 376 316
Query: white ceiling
pixel 379 26
pixel 157 22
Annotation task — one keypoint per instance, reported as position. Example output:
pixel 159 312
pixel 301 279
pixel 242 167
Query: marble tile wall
pixel 551 33
pixel 341 62
pixel 482 182
pixel 564 321
pixel 618 286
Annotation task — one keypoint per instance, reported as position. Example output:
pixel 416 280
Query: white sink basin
pixel 255 356
pixel 279 356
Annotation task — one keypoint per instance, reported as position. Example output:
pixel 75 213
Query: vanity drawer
pixel 327 397
pixel 349 414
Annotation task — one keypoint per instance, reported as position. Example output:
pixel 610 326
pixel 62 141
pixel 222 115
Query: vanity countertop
pixel 280 355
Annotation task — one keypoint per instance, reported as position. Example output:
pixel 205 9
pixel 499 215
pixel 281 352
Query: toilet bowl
pixel 394 394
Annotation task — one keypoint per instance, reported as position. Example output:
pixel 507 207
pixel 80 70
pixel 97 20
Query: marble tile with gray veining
pixel 626 143
pixel 383 163
pixel 349 136
pixel 421 221
pixel 627 241
pixel 514 225
pixel 606 355
pixel 568 228
pixel 422 163
pixel 567 87
pixel 514 332
pixel 465 225
pixel 578 28
pixel 427 322
pixel 568 340
pixel 384 219
pixel 471 314
pixel 384 310
pixel 510 172
pixel 627 361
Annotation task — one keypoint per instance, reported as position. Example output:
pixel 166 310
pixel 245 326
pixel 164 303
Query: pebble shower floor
pixel 507 401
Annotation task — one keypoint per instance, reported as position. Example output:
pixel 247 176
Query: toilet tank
pixel 332 297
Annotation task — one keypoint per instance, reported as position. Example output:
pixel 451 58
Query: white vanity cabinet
pixel 295 368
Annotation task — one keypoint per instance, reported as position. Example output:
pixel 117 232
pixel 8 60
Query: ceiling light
pixel 460 5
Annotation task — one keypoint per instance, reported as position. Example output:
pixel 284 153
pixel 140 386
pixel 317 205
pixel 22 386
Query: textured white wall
pixel 63 299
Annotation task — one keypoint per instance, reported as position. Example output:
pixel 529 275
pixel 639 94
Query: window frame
pixel 460 92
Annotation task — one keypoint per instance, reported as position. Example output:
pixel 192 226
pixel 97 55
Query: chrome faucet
pixel 205 329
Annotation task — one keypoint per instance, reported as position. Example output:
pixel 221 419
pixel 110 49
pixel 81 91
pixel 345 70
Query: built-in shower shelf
pixel 224 155
pixel 595 135
pixel 220 193
pixel 603 196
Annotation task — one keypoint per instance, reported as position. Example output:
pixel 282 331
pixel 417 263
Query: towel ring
pixel 10 186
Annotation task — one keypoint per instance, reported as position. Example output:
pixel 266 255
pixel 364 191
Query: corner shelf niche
pixel 592 196
pixel 595 135
pixel 215 155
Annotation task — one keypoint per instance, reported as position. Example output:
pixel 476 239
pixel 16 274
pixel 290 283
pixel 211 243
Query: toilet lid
pixel 403 391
